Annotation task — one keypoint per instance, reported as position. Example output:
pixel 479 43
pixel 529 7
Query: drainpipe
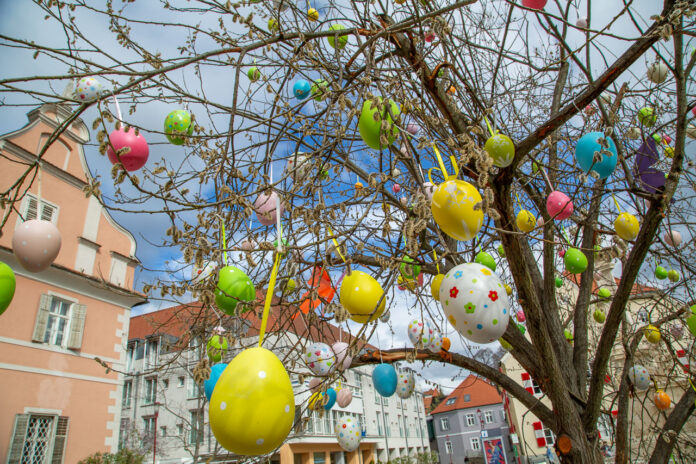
pixel 386 430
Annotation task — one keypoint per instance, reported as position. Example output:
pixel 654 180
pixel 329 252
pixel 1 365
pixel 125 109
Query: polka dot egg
pixel 639 377
pixel 348 433
pixel 177 126
pixel 88 89
pixel 405 385
pixel 36 244
pixel 475 302
pixel 420 333
pixel 252 408
pixel 435 341
pixel 319 358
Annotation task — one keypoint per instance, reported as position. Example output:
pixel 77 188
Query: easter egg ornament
pixel 485 259
pixel 435 286
pixel 329 398
pixel 384 379
pixel 559 206
pixel 626 226
pixel 647 116
pixel 252 408
pixel 233 286
pixel 342 40
pixel 348 433
pixel 405 385
pixel 419 332
pixel 319 358
pixel 128 147
pixel 662 400
pixel 320 89
pixel 36 244
pixel 534 4
pixel 558 282
pixel 501 149
pixel 582 23
pixel 88 89
pixel 691 131
pixel 266 207
pixel 254 74
pixel 673 275
pixel 216 347
pixel 672 238
pixel 371 118
pixel 435 343
pixel 343 357
pixel 344 397
pixel 575 261
pixel 660 273
pixel 604 293
pixel 525 221
pixel 639 377
pixel 8 284
pixel 475 302
pixel 301 89
pixel 177 126
pixel 360 294
pixel 599 316
pixel 314 384
pixel 592 143
pixel 455 209
pixel 652 334
pixel 215 373
pixel 658 72
pixel 200 274
pixel 409 269
pixel 313 14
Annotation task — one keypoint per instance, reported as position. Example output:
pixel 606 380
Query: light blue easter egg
pixel 331 393
pixel 585 150
pixel 384 378
pixel 215 373
pixel 301 89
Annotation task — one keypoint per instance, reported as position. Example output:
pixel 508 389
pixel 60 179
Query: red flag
pixel 321 282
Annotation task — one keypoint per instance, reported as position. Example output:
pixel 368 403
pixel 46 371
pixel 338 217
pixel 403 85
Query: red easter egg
pixel 534 4
pixel 36 244
pixel 559 205
pixel 520 316
pixel 667 139
pixel 133 159
pixel 396 188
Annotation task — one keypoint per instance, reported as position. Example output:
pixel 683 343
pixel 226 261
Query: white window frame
pixel 475 443
pixel 448 447
pixel 153 397
pixel 470 420
pixel 127 397
pixel 68 324
pixel 444 424
pixel 488 416
pixel 536 388
pixel 42 205
pixel 450 401
pixel 549 436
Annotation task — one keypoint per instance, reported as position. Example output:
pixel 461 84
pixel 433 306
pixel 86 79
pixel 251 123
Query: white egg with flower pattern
pixel 405 385
pixel 435 341
pixel 475 301
pixel 420 333
pixel 348 433
pixel 319 358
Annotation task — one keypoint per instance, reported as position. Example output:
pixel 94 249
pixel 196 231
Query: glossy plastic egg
pixel 575 261
pixel 329 397
pixel 348 433
pixel 384 379
pixel 313 14
pixel 586 148
pixel 301 89
pixel 419 332
pixel 525 221
pixel 435 286
pixel 344 397
pixel 233 286
pixel 405 385
pixel 177 126
pixel 360 294
pixel 36 244
pixel 342 40
pixel 199 274
pixel 672 238
pixel 319 358
pixel 660 273
pixel 501 148
pixel 370 122
pixel 320 89
pixel 409 269
pixel 343 357
pixel 652 334
pixel 253 407
pixel 88 89
pixel 413 128
pixel 216 347
pixel 582 23
pixel 559 206
pixel 475 302
pixel 298 166
pixel 135 149
pixel 658 72
pixel 314 384
pixel 435 341
pixel 639 377
pixel 534 4
pixel 215 373
pixel 428 191
pixel 8 284
pixel 485 259
pixel 662 400
pixel 626 226
pixel 599 316
pixel 265 207
pixel 456 209
pixel 254 74
pixel 647 116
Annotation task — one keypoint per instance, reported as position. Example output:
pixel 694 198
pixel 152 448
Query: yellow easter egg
pixel 453 208
pixel 360 293
pixel 406 283
pixel 525 221
pixel 435 286
pixel 652 334
pixel 253 407
pixel 626 226
pixel 508 289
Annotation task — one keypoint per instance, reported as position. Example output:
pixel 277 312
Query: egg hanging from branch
pixel 626 226
pixel 178 125
pixel 266 207
pixel 128 147
pixel 361 294
pixel 658 72
pixel 596 152
pixel 371 118
pixel 456 208
pixel 36 244
pixel 559 206
pixel 502 149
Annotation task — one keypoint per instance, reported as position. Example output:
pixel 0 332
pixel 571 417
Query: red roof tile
pixel 637 289
pixel 481 393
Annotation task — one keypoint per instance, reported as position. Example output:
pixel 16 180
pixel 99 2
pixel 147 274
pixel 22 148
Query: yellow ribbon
pixel 269 296
pixel 338 248
pixel 224 240
pixel 490 129
pixel 437 264
pixel 616 203
pixel 442 169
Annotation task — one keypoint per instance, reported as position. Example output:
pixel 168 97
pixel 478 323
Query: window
pixel 488 415
pixel 388 425
pixel 401 425
pixel 49 212
pixel 537 388
pixel 379 424
pixel 127 392
pixel 163 430
pixel 467 398
pixel 448 447
pixel 130 354
pixel 530 385
pixel 150 390
pixel 319 458
pixel 378 397
pixel 502 416
pixel 544 436
pixel 181 381
pixel 149 425
pixel 450 401
pixel 444 424
pixel 165 384
pixel 470 420
pixel 194 390
pixel 196 430
pixel 38 439
pixel 59 322
pixel 151 351
pixel 180 429
pixel 357 391
pixel 549 436
pixel 475 443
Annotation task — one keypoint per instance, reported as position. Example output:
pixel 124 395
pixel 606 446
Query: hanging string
pixel 338 248
pixel 38 191
pixel 379 345
pixel 118 109
pixel 490 129
pixel 618 208
pixel 443 170
pixel 437 263
pixel 546 178
pixel 224 241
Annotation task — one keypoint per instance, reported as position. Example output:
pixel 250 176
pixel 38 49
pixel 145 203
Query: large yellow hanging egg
pixel 253 407
pixel 526 221
pixel 360 293
pixel 626 226
pixel 453 208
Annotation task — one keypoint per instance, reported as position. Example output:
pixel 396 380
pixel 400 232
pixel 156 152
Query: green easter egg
pixel 409 269
pixel 647 116
pixel 216 347
pixel 501 148
pixel 8 283
pixel 501 251
pixel 558 282
pixel 604 293
pixel 320 89
pixel 568 335
pixel 673 275
pixel 660 272
pixel 342 40
pixel 485 259
pixel 290 286
pixel 177 126
pixel 370 122
pixel 254 74
pixel 657 138
pixel 273 25
pixel 599 316
pixel 575 261
pixel 691 324
pixel 233 286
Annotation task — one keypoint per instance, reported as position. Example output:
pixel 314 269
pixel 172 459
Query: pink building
pixel 59 405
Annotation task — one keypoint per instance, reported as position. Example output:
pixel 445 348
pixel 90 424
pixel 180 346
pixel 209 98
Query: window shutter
pixel 32 209
pixel 59 441
pixel 14 455
pixel 42 318
pixel 539 434
pixel 77 326
pixel 47 212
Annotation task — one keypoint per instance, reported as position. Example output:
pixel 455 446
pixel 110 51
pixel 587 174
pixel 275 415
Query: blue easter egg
pixel 301 89
pixel 215 373
pixel 585 150
pixel 331 393
pixel 384 378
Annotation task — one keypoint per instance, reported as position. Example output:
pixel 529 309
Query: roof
pixel 479 391
pixel 428 397
pixel 637 289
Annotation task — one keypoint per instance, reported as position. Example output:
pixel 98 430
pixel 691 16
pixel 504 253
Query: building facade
pixel 162 355
pixel 470 423
pixel 58 403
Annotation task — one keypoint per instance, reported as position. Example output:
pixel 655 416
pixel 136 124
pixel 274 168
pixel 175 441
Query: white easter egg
pixel 348 433
pixel 428 190
pixel 435 341
pixel 639 377
pixel 582 23
pixel 475 301
pixel 298 166
pixel 36 244
pixel 405 385
pixel 319 358
pixel 343 357
pixel 420 333
pixel 88 89
pixel 658 72
pixel 199 274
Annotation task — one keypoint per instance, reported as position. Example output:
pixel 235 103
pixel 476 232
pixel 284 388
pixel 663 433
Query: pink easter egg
pixel 667 139
pixel 589 110
pixel 133 159
pixel 419 279
pixel 344 397
pixel 559 205
pixel 429 36
pixel 561 253
pixel 36 244
pixel 343 357
pixel 540 221
pixel 520 316
pixel 413 128
pixel 247 245
pixel 404 201
pixel 396 188
pixel 265 207
pixel 693 111
pixel 534 4
pixel 672 238
pixel 314 384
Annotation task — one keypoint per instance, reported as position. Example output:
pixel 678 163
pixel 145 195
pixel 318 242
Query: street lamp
pixel 154 442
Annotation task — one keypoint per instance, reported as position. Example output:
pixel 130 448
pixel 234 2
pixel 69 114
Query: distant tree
pixel 123 456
